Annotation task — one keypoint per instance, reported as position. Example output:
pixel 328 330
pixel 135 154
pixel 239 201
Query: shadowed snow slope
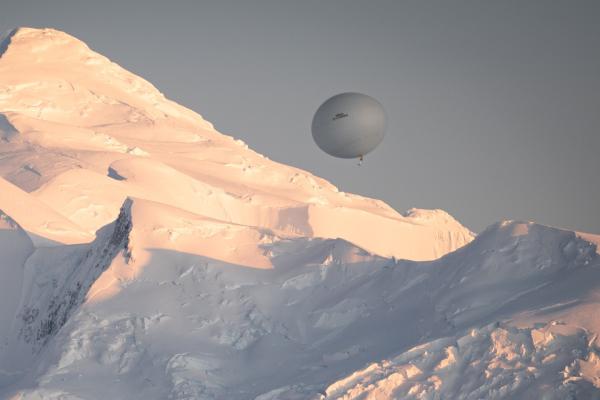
pixel 154 309
pixel 144 255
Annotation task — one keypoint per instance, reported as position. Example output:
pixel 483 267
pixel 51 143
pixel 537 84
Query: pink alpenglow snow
pixel 145 255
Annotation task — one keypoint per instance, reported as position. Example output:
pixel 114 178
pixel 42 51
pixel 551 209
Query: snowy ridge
pixel 55 281
pixel 326 309
pixel 147 256
pixel 78 117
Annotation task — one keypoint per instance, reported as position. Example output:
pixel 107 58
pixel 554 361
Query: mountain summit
pixel 145 255
pixel 81 134
pixel 69 83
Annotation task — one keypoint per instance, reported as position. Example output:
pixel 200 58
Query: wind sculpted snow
pixel 145 255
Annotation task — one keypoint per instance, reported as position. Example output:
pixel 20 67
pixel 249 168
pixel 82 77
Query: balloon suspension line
pixel 360 161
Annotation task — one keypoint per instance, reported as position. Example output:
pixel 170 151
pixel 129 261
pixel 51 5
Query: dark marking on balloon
pixel 339 115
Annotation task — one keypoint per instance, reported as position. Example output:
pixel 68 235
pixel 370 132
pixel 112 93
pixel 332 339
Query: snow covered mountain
pixel 145 255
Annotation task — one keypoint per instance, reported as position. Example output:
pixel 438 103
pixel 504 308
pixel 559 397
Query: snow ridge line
pixel 41 325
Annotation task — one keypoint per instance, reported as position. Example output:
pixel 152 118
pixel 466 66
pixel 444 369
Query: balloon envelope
pixel 349 125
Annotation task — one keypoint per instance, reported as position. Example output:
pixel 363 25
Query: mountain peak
pixel 50 75
pixel 38 40
pixel 78 126
pixel 142 250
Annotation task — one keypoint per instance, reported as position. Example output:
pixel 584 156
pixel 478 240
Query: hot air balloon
pixel 349 125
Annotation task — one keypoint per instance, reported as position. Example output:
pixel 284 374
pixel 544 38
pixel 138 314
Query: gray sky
pixel 493 106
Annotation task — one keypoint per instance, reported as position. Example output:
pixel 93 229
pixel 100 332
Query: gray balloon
pixel 349 125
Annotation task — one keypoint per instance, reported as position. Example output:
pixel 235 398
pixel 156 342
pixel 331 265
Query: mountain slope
pixel 43 225
pixel 160 322
pixel 147 256
pixel 72 116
